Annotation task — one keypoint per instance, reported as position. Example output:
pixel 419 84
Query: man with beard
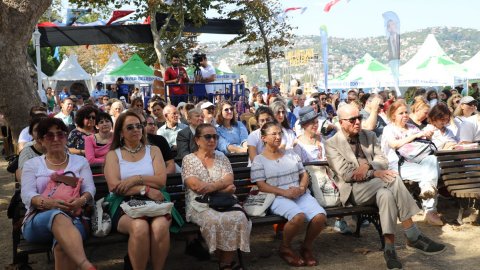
pixel 176 74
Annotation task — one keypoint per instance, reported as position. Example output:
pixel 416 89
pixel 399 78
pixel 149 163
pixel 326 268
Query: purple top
pixel 35 176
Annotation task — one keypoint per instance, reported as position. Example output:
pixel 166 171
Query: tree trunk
pixel 18 94
pixel 266 47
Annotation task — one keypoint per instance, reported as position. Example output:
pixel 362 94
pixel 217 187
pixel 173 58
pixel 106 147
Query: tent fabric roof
pixel 113 63
pixel 134 66
pixel 223 67
pixel 70 71
pixel 120 34
pixel 473 66
pixel 430 48
pixel 366 68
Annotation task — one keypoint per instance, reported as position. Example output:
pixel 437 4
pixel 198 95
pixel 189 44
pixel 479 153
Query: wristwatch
pixel 143 191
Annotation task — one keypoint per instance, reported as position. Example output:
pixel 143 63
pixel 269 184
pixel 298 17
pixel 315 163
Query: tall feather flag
pixel 324 37
pixel 117 14
pixel 392 32
pixel 74 14
pixel 330 4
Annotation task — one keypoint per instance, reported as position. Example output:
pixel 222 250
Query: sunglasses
pixel 91 117
pixel 228 110
pixel 50 136
pixel 208 137
pixel 280 112
pixel 352 120
pixel 134 126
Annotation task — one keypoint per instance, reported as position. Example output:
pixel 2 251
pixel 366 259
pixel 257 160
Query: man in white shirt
pixel 24 137
pixel 171 128
pixel 66 112
pixel 208 75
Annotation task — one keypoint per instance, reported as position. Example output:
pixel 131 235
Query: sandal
pixel 307 255
pixel 290 257
pixel 232 266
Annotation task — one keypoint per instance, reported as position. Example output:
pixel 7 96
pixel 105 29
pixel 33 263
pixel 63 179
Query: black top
pixel 421 126
pixel 161 143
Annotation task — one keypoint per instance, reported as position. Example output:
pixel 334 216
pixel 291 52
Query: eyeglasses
pixel 228 110
pixel 50 136
pixel 91 117
pixel 208 137
pixel 276 134
pixel 281 112
pixel 150 124
pixel 134 126
pixel 352 120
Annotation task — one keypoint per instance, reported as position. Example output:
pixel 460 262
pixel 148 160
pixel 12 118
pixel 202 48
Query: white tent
pixel 113 63
pixel 473 66
pixel 429 48
pixel 223 67
pixel 70 70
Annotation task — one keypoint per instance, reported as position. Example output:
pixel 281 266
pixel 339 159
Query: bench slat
pixel 460 169
pixel 461 181
pixel 465 186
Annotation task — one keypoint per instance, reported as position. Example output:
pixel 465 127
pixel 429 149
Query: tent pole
pixel 36 40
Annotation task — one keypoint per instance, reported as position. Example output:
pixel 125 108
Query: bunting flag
pixel 281 17
pixel 73 14
pixel 147 20
pixel 330 4
pixel 117 14
pixel 392 32
pixel 324 37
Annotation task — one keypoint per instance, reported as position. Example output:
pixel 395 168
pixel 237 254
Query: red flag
pixel 147 20
pixel 117 14
pixel 329 5
pixel 291 9
pixel 47 24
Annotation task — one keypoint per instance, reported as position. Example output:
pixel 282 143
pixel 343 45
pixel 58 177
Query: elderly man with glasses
pixel 364 179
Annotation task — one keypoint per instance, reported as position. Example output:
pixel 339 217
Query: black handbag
pixel 12 163
pixel 219 201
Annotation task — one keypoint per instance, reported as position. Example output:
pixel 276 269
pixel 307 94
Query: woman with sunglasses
pixel 293 200
pixel 280 112
pixel 49 220
pixel 468 124
pixel 97 145
pixel 85 121
pixel 233 134
pixel 134 168
pixel 399 133
pixel 206 171
pixel 137 104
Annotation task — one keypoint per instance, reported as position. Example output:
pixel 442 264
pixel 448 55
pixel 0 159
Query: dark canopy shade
pixel 120 34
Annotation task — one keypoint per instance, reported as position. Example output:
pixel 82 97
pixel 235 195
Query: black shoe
pixel 127 265
pixel 426 246
pixel 196 249
pixel 392 260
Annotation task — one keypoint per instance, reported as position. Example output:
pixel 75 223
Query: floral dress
pixel 226 231
pixel 76 139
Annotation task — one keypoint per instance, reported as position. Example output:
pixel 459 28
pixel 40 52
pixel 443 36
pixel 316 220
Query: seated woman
pixel 50 220
pixel 419 112
pixel 232 133
pixel 31 149
pixel 97 145
pixel 254 140
pixel 206 171
pixel 399 133
pixel 467 107
pixel 132 167
pixel 137 104
pixel 468 124
pixel 259 102
pixel 439 118
pixel 293 200
pixel 279 110
pixel 85 121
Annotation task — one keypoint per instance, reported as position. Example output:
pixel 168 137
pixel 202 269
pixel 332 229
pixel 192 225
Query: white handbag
pixel 323 185
pixel 258 202
pixel 101 221
pixel 137 208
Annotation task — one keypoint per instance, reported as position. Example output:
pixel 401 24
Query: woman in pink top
pixel 97 145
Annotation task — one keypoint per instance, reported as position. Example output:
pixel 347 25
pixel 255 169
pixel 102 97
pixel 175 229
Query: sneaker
pixel 428 193
pixel 342 227
pixel 426 246
pixel 433 218
pixel 392 260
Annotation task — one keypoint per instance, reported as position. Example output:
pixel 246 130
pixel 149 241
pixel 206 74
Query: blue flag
pixel 324 36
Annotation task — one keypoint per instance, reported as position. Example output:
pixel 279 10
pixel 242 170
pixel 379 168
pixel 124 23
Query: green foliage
pixel 49 63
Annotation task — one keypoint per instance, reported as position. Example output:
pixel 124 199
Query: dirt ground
pixel 333 250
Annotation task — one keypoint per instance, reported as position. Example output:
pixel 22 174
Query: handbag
pixel 101 221
pixel 140 206
pixel 323 186
pixel 219 201
pixel 64 187
pixel 12 163
pixel 416 150
pixel 258 202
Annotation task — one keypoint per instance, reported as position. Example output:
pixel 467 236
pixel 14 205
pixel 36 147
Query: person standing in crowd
pixel 232 133
pixel 425 172
pixel 63 94
pixel 171 128
pixel 66 112
pixel 99 91
pixel 123 89
pixel 206 171
pixel 185 138
pixel 293 200
pixel 176 74
pixel 113 92
pixel 364 178
pixel 208 75
pixel 50 220
pixel 133 167
pixel 50 100
pixel 97 145
pixel 85 126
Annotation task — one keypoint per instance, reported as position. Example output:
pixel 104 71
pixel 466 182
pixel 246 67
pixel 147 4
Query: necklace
pixel 57 164
pixel 134 151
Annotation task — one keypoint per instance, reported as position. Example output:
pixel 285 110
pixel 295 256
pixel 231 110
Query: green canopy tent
pixel 133 71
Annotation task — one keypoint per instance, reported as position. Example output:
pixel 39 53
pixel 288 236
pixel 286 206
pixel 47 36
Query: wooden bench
pixel 177 193
pixel 460 175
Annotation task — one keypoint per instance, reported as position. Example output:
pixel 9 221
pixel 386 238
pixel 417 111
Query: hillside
pixel 459 43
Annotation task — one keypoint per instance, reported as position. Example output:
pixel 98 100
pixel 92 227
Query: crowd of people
pixel 359 134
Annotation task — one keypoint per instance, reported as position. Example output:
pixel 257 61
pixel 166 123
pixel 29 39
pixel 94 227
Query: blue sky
pixel 363 18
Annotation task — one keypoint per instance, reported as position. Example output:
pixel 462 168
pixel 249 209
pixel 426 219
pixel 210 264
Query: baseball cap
pixel 466 100
pixel 206 105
